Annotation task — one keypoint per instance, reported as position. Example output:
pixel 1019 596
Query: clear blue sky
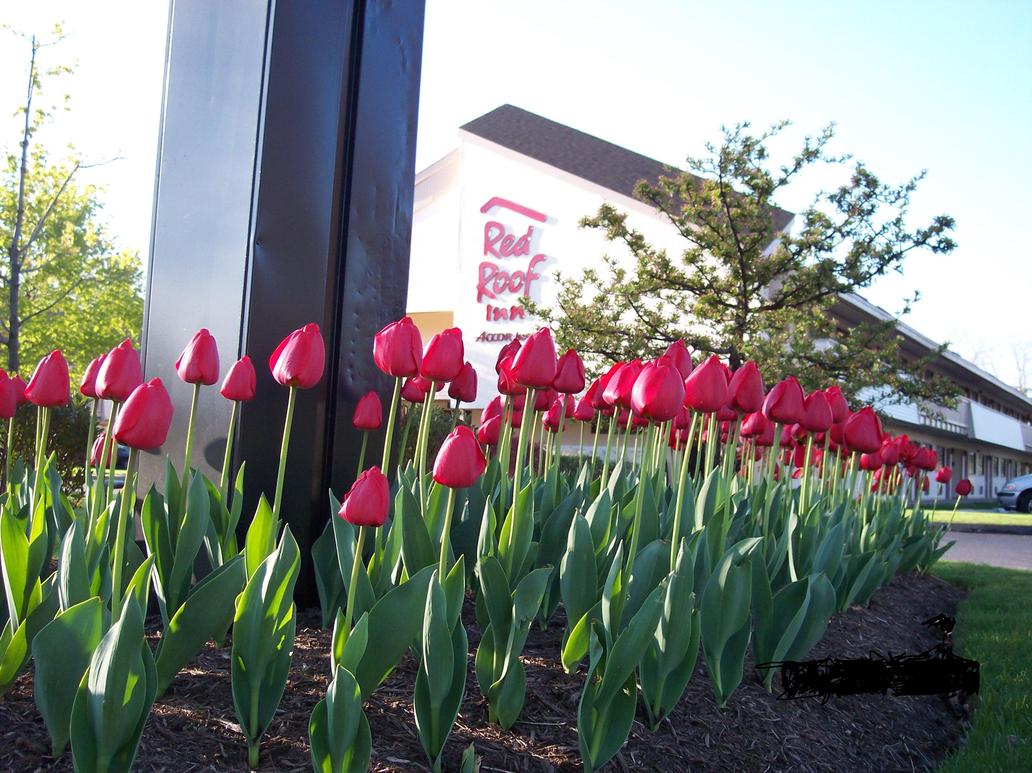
pixel 942 86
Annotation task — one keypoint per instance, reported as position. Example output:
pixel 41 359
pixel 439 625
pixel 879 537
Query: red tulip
pixel 8 397
pixel 754 424
pixel 20 387
pixel 746 389
pixel 516 416
pixel 726 414
pixel 368 414
pixel 553 417
pixel 464 387
pixel 120 373
pixel 784 402
pixel 621 384
pixel 461 460
pixel 583 411
pixel 199 362
pixel 889 453
pixel 494 408
pixel 926 459
pixel 863 431
pixel 944 475
pixel 569 376
pixel 144 420
pixel 658 392
pixel 368 501
pixel 964 487
pixel 682 419
pixel 924 483
pixel 535 364
pixel 507 384
pixel 682 360
pixel 544 399
pixel 509 350
pixel 414 391
pixel 837 401
pixel 398 349
pixel 443 358
pixel 239 384
pixel 817 416
pixel 568 403
pixel 97 452
pixel 300 358
pixel 872 461
pixel 677 438
pixel 490 431
pixel 593 395
pixel 705 390
pixel 49 386
pixel 89 378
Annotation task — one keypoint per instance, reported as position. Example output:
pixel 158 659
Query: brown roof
pixel 576 152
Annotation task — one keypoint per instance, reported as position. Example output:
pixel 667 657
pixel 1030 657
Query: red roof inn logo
pixel 501 244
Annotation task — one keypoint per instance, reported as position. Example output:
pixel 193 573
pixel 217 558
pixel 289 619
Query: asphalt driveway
pixel 1010 551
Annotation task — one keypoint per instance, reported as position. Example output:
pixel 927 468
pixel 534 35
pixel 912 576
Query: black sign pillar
pixel 283 196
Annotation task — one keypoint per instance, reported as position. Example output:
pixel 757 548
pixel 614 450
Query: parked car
pixel 1017 494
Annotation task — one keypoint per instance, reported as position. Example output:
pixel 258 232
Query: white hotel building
pixel 498 217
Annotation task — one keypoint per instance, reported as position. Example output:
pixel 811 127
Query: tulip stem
pixel 112 460
pixel 595 432
pixel 609 443
pixel 227 458
pixel 675 536
pixel 105 449
pixel 284 446
pixel 580 445
pixel 89 451
pixel 361 454
pixel 349 609
pixel 190 433
pixel 10 454
pixel 521 443
pixel 422 442
pixel 442 569
pixel 119 554
pixel 409 416
pixel 389 434
pixel 804 486
pixel 41 452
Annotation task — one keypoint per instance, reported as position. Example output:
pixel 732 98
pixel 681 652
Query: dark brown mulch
pixel 193 727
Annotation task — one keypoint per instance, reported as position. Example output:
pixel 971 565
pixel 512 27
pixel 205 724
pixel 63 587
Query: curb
pixel 976 528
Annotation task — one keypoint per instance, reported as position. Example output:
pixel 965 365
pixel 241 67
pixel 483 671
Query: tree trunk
pixel 13 321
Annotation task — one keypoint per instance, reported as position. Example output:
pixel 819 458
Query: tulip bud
pixel 817 416
pixel 199 362
pixel 239 384
pixel 368 500
pixel 144 420
pixel 544 399
pixel 8 397
pixel 535 364
pixel 746 390
pixel 863 432
pixel 300 358
pixel 964 487
pixel 569 376
pixel 554 416
pixel 398 349
pixel 837 401
pixel 621 384
pixel 705 390
pixel 784 402
pixel 461 460
pixel 88 387
pixel 944 475
pixel 490 430
pixel 20 387
pixel 658 391
pixel 414 391
pixel 889 453
pixel 872 461
pixel 507 384
pixel 679 356
pixel 597 390
pixel 368 414
pixel 583 411
pixel 464 387
pixel 49 386
pixel 494 408
pixel 443 358
pixel 509 350
pixel 120 373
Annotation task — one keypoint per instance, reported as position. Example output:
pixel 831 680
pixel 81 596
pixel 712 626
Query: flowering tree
pixel 61 276
pixel 743 287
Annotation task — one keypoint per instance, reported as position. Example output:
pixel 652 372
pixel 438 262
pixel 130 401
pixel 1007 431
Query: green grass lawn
pixel 994 627
pixel 984 517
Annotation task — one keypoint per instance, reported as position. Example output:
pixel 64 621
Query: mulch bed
pixel 193 727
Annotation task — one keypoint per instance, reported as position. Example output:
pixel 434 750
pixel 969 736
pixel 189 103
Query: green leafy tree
pixel 745 286
pixel 64 284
